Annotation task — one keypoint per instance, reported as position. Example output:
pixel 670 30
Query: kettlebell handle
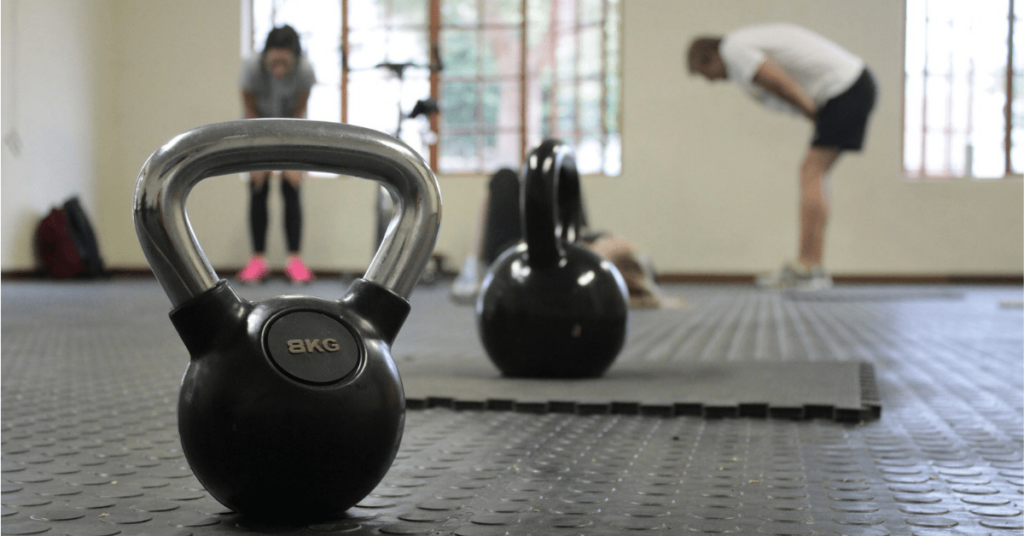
pixel 551 202
pixel 170 173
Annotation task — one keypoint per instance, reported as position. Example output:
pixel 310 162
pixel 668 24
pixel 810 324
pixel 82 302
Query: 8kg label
pixel 312 347
pixel 308 346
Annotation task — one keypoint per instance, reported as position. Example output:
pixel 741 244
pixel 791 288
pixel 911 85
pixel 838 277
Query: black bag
pixel 66 245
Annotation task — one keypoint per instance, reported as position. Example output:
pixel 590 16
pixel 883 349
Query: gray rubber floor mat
pixel 91 372
pixel 785 390
pixel 870 293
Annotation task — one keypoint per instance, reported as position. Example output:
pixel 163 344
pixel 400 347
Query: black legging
pixel 258 215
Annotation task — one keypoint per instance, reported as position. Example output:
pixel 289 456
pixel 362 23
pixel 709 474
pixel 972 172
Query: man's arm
pixel 771 77
pixel 249 102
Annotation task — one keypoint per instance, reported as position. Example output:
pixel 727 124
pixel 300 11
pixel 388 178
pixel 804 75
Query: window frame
pixel 922 174
pixel 435 28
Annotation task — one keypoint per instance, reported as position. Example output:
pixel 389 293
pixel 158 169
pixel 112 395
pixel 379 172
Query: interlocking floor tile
pixel 90 375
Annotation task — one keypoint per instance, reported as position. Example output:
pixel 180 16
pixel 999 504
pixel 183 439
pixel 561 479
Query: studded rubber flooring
pixel 89 439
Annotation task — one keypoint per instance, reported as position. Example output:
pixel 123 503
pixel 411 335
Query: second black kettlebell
pixel 291 409
pixel 548 306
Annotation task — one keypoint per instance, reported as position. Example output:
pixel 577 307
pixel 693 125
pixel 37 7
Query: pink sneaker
pixel 255 271
pixel 297 270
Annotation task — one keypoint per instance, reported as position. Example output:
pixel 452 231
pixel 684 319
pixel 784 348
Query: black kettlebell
pixel 548 306
pixel 291 409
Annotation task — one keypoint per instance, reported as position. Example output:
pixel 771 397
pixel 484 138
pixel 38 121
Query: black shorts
pixel 841 122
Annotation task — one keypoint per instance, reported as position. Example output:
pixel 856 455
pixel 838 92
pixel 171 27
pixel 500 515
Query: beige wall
pixel 50 115
pixel 721 171
pixel 708 183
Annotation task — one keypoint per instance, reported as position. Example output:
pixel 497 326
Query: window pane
pixel 373 101
pixel 565 56
pixel 913 124
pixel 459 53
pixel 960 50
pixel 612 83
pixel 916 46
pixel 958 153
pixel 501 52
pixel 989 161
pixel 989 123
pixel 940 38
pixel 509 12
pixel 459 12
pixel 612 105
pixel 538 18
pixel 564 11
pixel 935 152
pixel 369 47
pixel 324 103
pixel 459 100
pixel 566 111
pixel 613 155
pixel 590 107
pixel 591 51
pixel 262 22
pixel 501 148
pixel 590 11
pixel 387 13
pixel 1017 140
pixel 501 104
pixel 589 155
pixel 458 153
pixel 1017 129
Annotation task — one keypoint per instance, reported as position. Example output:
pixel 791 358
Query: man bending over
pixel 786 67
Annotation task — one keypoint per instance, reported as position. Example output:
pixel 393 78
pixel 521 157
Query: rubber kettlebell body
pixel 291 409
pixel 549 307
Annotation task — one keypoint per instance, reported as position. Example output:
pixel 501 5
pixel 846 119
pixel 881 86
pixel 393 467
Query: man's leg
pixel 814 203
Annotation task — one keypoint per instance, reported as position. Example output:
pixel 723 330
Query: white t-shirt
pixel 820 67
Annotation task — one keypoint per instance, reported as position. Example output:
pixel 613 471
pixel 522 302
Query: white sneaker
pixel 467 284
pixel 820 280
pixel 794 276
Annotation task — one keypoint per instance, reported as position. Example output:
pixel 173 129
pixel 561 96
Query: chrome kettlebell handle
pixel 551 203
pixel 170 173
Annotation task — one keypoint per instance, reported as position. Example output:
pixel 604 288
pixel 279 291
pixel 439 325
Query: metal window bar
pixel 523 101
pixel 950 77
pixel 478 108
pixel 435 75
pixel 1008 139
pixel 969 157
pixel 604 84
pixel 924 99
pixel 555 83
pixel 577 129
pixel 344 61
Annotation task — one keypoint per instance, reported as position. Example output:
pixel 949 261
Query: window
pixel 506 74
pixel 963 108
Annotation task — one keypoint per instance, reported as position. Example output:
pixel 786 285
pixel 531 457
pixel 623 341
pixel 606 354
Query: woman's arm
pixel 249 102
pixel 300 105
pixel 771 77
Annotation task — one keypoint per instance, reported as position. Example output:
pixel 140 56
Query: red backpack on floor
pixel 65 244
